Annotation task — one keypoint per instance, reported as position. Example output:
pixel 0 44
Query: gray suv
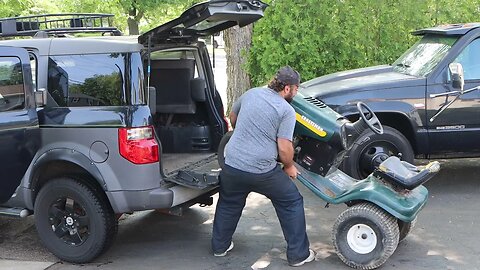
pixel 93 127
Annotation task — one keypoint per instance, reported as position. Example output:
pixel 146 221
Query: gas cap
pixel 98 152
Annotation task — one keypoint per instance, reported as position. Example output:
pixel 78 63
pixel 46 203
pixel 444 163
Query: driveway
pixel 446 235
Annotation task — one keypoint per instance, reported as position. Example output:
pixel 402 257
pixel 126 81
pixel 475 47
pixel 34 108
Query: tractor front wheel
pixel 365 236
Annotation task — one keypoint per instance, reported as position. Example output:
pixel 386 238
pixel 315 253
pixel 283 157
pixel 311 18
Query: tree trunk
pixel 133 22
pixel 237 46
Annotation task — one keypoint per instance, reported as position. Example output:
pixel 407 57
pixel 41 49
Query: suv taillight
pixel 138 145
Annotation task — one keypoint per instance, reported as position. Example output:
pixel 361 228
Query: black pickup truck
pixel 423 115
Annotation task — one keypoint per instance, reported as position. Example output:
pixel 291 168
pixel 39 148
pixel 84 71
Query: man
pixel 264 122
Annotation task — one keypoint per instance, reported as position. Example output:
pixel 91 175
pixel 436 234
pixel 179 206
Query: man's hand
pixel 233 119
pixel 285 153
pixel 291 171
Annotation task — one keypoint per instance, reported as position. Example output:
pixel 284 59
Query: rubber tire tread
pixel 405 228
pixel 108 226
pixel 350 165
pixel 221 148
pixel 385 222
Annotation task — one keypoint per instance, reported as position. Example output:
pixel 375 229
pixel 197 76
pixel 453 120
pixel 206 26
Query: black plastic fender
pixel 61 154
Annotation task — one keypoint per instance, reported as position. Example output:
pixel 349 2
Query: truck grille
pixel 316 102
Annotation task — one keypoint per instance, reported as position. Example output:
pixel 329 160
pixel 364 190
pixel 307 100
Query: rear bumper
pixel 158 198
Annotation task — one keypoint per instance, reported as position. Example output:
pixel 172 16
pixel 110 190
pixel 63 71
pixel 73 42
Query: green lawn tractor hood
pixel 318 121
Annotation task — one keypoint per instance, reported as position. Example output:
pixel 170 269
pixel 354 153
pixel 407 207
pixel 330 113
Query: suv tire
pixel 371 149
pixel 221 148
pixel 74 221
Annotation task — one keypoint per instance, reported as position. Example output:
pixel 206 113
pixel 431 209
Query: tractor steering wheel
pixel 370 118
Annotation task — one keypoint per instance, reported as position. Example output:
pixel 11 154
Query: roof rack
pixel 58 24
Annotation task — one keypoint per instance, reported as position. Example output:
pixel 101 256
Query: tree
pixel 238 42
pixel 141 15
pixel 157 11
pixel 11 8
pixel 318 37
pixel 237 46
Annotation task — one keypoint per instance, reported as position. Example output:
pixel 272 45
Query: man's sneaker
pixel 225 252
pixel 310 258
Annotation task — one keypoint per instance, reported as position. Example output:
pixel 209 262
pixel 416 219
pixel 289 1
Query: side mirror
pixel 41 97
pixel 456 74
pixel 152 99
pixel 198 89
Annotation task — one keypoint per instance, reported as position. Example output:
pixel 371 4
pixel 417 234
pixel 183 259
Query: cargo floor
pixel 174 162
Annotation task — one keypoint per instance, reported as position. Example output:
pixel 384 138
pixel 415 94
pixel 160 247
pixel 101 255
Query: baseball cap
pixel 288 76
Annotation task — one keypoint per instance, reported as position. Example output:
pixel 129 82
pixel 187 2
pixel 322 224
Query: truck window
pixel 470 60
pixel 424 55
pixel 12 94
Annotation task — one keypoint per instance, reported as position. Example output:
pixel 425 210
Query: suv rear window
pixel 96 80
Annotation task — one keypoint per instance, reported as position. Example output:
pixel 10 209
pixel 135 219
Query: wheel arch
pixel 389 206
pixel 401 123
pixel 397 120
pixel 64 163
pixel 379 204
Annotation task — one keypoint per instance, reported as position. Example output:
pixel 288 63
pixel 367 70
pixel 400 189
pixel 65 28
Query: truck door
pixel 19 132
pixel 456 129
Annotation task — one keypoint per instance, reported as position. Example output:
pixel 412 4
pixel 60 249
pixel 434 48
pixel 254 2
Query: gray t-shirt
pixel 262 117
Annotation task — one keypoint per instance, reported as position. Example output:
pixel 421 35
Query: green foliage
pixel 11 8
pixel 148 13
pixel 318 37
pixel 101 89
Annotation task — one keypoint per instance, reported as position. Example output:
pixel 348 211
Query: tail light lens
pixel 138 145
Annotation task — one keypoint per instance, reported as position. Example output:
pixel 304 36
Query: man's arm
pixel 235 111
pixel 233 119
pixel 285 153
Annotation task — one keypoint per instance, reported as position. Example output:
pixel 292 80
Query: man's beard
pixel 289 98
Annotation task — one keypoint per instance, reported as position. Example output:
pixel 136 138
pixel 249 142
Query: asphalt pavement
pixel 446 235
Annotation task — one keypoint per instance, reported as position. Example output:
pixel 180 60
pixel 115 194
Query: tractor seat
pixel 404 174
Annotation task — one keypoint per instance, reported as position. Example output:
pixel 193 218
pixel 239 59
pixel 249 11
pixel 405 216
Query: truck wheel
pixel 371 149
pixel 221 148
pixel 405 228
pixel 74 221
pixel 365 236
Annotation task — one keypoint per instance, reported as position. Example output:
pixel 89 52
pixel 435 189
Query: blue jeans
pixel 235 185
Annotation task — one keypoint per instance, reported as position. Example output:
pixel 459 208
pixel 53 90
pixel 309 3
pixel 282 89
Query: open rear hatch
pixel 205 19
pixel 200 20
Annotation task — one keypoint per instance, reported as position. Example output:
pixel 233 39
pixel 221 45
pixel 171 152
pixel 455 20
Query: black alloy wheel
pixel 74 221
pixel 69 221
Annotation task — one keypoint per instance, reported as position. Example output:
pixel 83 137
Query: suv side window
pixel 33 66
pixel 470 60
pixel 87 80
pixel 12 94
